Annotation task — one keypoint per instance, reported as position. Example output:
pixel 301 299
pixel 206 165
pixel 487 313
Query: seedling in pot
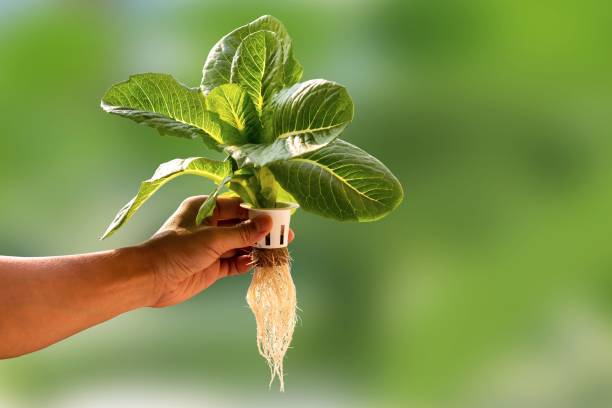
pixel 280 138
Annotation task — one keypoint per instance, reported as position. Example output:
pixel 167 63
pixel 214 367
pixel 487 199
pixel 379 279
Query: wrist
pixel 137 275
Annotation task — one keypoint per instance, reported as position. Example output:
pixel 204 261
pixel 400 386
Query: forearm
pixel 44 300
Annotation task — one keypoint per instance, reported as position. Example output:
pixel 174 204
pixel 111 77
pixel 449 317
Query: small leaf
pixel 258 67
pixel 244 183
pixel 239 187
pixel 234 108
pixel 340 181
pixel 211 169
pixel 229 194
pixel 208 206
pixel 217 68
pixel 267 192
pixel 160 101
pixel 283 195
pixel 298 120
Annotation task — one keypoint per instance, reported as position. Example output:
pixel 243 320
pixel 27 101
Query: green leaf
pixel 229 194
pixel 317 107
pixel 244 182
pixel 283 195
pixel 293 70
pixel 240 186
pixel 258 66
pixel 234 108
pixel 258 187
pixel 267 192
pixel 340 181
pixel 208 206
pixel 160 101
pixel 211 169
pixel 217 68
pixel 298 120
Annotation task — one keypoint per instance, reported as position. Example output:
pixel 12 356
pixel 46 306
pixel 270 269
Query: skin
pixel 44 300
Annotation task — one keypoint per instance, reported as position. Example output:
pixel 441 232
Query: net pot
pixel 281 215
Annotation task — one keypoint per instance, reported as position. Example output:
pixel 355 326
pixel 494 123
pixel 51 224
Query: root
pixel 272 299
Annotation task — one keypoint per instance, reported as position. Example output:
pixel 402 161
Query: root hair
pixel 271 297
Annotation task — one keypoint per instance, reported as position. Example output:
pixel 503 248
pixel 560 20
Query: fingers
pixel 230 247
pixel 235 252
pixel 190 206
pixel 246 250
pixel 223 239
pixel 229 223
pixel 291 235
pixel 228 212
pixel 235 266
pixel 228 208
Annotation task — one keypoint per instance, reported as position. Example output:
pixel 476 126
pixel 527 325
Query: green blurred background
pixel 490 286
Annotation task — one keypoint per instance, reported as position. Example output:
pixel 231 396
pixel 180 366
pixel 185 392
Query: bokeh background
pixel 491 285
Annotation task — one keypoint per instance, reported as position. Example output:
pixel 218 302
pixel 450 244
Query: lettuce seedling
pixel 280 139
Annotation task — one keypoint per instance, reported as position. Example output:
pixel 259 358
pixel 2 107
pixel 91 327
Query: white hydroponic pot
pixel 281 215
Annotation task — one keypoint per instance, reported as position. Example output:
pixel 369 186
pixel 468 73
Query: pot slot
pixel 282 234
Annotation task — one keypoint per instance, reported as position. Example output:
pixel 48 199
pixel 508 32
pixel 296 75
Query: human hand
pixel 186 259
pixel 44 300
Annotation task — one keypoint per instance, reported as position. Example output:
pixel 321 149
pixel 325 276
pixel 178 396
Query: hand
pixel 187 259
pixel 44 300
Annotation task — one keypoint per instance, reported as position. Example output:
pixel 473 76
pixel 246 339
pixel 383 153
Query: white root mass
pixel 271 297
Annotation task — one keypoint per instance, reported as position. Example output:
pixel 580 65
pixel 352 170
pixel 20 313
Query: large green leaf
pixel 316 107
pixel 211 169
pixel 340 181
pixel 160 101
pixel 298 120
pixel 258 66
pixel 217 68
pixel 236 111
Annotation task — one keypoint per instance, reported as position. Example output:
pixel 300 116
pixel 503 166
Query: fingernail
pixel 262 223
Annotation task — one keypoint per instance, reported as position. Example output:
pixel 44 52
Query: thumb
pixel 223 239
